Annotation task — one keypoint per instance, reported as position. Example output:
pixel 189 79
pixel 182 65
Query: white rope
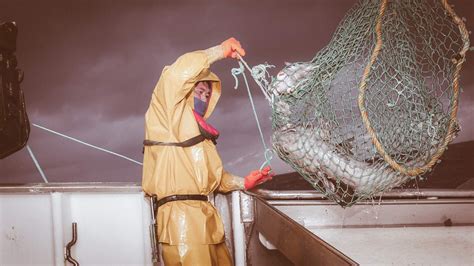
pixel 89 145
pixel 37 164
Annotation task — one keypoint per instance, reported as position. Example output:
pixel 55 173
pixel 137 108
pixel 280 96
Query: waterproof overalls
pixel 191 232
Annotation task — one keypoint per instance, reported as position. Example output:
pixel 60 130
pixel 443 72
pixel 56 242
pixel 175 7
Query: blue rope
pixel 259 74
pixel 40 170
pixel 87 144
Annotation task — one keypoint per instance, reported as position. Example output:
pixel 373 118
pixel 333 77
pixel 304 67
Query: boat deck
pixel 427 222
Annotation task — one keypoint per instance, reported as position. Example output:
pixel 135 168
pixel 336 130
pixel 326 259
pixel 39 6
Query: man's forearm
pixel 230 182
pixel 215 53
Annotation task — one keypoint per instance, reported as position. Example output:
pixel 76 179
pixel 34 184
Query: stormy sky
pixel 91 66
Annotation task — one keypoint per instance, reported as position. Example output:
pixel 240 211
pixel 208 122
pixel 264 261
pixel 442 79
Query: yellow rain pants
pixel 199 255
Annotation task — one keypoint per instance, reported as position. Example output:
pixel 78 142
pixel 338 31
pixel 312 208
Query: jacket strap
pixel 181 197
pixel 187 143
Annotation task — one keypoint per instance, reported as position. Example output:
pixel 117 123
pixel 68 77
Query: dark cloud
pixel 90 68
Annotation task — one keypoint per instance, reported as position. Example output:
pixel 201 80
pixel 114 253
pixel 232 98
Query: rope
pixel 452 122
pixel 259 73
pixel 87 144
pixel 37 164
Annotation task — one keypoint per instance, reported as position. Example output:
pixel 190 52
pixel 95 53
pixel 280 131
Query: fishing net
pixel 377 106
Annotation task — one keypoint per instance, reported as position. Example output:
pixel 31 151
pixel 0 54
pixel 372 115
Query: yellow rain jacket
pixel 171 170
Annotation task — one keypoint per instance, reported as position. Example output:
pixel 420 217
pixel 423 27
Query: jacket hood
pixel 215 91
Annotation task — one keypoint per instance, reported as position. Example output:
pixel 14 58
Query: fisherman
pixel 181 164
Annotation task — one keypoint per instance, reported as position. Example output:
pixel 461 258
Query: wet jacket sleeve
pixel 181 76
pixel 230 182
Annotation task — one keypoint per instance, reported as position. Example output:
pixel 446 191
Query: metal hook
pixel 70 244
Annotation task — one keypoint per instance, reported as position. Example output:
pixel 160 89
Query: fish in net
pixel 377 106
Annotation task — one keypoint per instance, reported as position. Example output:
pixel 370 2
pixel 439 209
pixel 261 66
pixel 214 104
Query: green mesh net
pixel 377 106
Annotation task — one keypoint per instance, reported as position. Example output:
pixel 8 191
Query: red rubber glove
pixel 232 47
pixel 257 177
